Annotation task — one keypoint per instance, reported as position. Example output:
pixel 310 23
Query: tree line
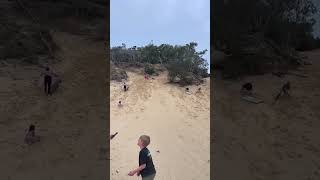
pixel 184 63
pixel 261 32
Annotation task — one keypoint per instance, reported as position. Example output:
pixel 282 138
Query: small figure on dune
pixel 119 104
pixel 283 91
pixel 47 80
pixel 286 88
pixel 188 91
pixel 31 136
pixel 125 87
pixel 49 84
pixel 199 90
pixel 246 89
pixel 146 77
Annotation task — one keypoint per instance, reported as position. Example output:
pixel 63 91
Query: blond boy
pixel 146 168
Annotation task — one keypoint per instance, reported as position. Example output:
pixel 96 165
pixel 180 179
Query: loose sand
pixel 71 123
pixel 178 124
pixel 265 141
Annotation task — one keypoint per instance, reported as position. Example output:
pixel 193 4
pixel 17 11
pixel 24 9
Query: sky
pixel 175 22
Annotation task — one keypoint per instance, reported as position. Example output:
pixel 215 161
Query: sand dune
pixel 266 141
pixel 70 122
pixel 177 123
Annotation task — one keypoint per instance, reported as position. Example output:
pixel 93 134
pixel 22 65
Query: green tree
pixel 182 62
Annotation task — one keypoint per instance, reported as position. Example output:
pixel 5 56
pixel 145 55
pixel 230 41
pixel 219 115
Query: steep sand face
pixel 177 123
pixel 71 123
pixel 266 141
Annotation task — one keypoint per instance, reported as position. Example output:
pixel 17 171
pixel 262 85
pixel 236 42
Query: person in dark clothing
pixel 283 91
pixel 47 81
pixel 247 86
pixel 31 137
pixel 125 87
pixel 246 89
pixel 146 167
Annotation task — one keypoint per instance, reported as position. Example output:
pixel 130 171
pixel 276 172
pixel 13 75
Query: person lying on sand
pixel 31 137
pixel 146 168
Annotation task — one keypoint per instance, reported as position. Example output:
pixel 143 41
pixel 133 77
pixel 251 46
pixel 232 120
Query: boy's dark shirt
pixel 145 158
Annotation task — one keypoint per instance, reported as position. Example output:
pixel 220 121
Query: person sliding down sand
pixel 31 137
pixel 146 168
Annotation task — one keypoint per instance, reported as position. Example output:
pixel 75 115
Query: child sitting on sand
pixel 146 167
pixel 246 89
pixel 119 104
pixel 31 137
pixel 187 91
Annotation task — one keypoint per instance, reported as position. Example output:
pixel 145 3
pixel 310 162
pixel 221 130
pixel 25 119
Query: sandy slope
pixel 177 123
pixel 70 123
pixel 265 141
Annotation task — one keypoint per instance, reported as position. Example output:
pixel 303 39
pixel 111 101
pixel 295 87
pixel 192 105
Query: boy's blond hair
pixel 145 140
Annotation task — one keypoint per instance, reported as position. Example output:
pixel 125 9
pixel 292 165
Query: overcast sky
pixel 176 22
